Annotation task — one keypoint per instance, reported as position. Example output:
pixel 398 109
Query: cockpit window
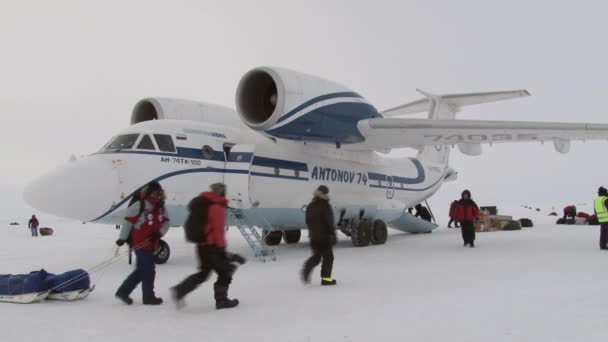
pixel 146 143
pixel 123 142
pixel 164 142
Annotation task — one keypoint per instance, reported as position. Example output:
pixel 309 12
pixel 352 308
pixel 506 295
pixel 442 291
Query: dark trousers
pixel 452 220
pixel 144 273
pixel 468 231
pixel 321 252
pixel 210 259
pixel 34 231
pixel 604 235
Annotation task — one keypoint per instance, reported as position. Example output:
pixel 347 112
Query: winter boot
pixel 226 303
pixel 221 298
pixel 177 299
pixel 328 281
pixel 124 298
pixel 305 275
pixel 153 301
pixel 472 244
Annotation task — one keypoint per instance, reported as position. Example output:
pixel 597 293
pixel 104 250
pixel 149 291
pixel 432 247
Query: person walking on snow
pixel 33 225
pixel 212 253
pixel 601 211
pixel 145 223
pixel 320 222
pixel 466 213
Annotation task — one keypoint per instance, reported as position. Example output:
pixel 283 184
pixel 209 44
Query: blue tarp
pixel 40 281
pixel 23 283
pixel 69 281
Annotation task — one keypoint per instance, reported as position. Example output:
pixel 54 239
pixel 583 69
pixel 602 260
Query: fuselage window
pixel 146 143
pixel 208 152
pixel 123 142
pixel 164 142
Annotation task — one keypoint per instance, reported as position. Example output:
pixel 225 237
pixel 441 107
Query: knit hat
pixel 322 192
pixel 218 188
pixel 602 191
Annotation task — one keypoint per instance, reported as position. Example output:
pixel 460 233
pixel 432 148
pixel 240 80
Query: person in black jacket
pixel 423 213
pixel 320 222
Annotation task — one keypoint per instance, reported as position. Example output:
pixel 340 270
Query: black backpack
pixel 197 217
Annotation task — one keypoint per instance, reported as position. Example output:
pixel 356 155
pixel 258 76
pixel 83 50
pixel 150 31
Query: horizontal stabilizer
pixel 455 101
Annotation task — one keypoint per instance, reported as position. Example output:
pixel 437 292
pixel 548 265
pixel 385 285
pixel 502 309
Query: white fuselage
pixel 273 181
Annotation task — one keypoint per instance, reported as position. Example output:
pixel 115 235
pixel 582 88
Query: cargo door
pixel 236 175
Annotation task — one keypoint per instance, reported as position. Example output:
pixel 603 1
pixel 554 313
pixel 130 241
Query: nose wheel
pixel 162 254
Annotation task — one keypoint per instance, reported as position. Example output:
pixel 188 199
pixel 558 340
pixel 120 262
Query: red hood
pixel 215 198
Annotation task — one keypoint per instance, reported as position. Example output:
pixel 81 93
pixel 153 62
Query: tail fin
pixel 445 107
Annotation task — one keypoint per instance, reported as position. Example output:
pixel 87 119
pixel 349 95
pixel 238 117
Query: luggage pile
pixel 490 221
pixel 40 285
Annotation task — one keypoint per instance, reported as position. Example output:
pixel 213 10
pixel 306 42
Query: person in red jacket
pixel 212 253
pixel 145 223
pixel 466 212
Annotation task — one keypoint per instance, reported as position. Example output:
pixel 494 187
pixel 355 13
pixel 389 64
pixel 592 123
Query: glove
pixel 120 242
pixel 236 258
pixel 155 236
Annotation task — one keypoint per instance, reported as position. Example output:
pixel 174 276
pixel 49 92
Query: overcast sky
pixel 71 71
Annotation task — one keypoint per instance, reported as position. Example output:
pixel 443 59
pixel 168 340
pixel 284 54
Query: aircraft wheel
pixel 162 254
pixel 379 233
pixel 292 236
pixel 272 238
pixel 361 235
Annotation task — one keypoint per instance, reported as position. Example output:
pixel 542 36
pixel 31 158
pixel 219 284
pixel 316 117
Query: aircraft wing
pixel 382 133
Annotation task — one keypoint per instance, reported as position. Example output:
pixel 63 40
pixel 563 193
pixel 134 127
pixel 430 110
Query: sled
pixel 71 295
pixel 25 298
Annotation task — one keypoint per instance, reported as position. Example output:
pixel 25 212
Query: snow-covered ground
pixel 548 283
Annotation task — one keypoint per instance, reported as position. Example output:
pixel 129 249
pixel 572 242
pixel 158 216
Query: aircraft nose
pixel 81 189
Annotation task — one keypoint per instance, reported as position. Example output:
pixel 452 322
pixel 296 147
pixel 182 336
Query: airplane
pixel 290 133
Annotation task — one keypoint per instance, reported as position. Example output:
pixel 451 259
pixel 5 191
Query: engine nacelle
pixel 290 105
pixel 155 108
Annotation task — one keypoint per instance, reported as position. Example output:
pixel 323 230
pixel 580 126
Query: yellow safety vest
pixel 600 210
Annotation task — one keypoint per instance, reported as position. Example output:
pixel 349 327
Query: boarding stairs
pixel 252 235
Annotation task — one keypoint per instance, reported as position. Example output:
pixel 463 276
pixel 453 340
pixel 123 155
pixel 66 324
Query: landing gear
pixel 162 254
pixel 361 234
pixel 292 236
pixel 272 238
pixel 379 233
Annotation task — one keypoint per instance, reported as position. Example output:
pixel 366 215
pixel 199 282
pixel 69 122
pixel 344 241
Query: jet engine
pixel 155 108
pixel 291 105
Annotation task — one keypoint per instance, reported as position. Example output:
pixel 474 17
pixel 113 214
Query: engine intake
pixel 291 105
pixel 155 108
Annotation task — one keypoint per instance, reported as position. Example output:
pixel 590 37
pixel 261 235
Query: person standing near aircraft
pixel 320 222
pixel 466 212
pixel 33 225
pixel 601 211
pixel 144 225
pixel 212 253
pixel 423 213
pixel 452 215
